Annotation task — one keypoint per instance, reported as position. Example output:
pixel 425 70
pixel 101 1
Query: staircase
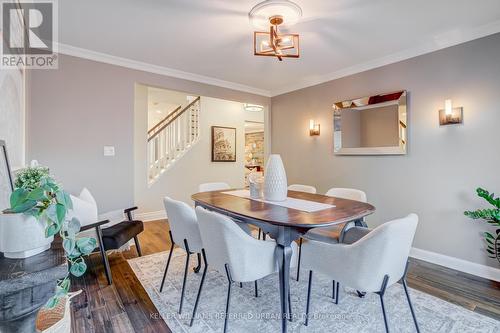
pixel 172 137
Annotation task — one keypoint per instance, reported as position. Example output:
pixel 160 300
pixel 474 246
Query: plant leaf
pixel 60 212
pixel 18 197
pixel 86 245
pixel 73 226
pixel 23 207
pixel 52 229
pixel 69 245
pixel 78 268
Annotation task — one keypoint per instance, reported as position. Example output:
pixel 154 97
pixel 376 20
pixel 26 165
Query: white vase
pixel 22 236
pixel 275 185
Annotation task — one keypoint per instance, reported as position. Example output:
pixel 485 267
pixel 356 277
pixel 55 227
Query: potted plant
pixel 491 216
pixel 40 206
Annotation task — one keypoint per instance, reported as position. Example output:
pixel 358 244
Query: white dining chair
pixel 232 252
pixel 184 232
pixel 373 263
pixel 206 187
pixel 302 188
pixel 335 234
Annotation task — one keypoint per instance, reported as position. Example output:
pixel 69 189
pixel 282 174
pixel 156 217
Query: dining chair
pixel 335 234
pixel 302 188
pixel 184 232
pixel 234 253
pixel 206 187
pixel 373 263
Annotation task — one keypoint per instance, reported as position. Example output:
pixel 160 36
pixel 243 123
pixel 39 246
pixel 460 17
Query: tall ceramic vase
pixel 275 185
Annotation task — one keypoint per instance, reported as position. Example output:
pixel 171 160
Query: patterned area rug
pixel 251 314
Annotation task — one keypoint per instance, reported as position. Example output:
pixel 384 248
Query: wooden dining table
pixel 284 224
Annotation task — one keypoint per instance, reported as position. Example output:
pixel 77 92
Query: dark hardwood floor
pixel 125 305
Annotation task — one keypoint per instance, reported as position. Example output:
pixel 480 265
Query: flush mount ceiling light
pixel 253 107
pixel 270 14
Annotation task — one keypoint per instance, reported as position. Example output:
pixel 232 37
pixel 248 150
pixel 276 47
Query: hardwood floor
pixel 125 306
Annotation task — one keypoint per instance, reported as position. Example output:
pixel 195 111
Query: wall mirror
pixel 373 125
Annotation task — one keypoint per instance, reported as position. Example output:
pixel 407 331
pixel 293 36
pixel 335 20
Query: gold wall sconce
pixel 450 115
pixel 313 128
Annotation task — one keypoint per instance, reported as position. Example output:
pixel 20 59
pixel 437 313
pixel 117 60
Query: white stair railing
pixel 171 138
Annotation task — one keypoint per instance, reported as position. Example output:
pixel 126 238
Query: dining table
pixel 285 222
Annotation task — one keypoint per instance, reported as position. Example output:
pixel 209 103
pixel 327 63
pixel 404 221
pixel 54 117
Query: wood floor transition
pixel 125 305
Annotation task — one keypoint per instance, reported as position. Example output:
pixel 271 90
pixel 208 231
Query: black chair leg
pixel 199 289
pixel 308 302
pixel 168 261
pixel 289 306
pixel 107 269
pixel 256 289
pixel 298 263
pixel 137 246
pixel 333 289
pixel 230 282
pixel 188 254
pixel 260 231
pixel 337 293
pixel 197 268
pixel 241 284
pixel 381 294
pixel 408 298
pixel 361 294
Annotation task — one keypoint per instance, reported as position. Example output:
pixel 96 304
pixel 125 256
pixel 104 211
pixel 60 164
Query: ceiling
pixel 212 39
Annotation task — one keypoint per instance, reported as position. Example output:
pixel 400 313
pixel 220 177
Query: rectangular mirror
pixel 373 125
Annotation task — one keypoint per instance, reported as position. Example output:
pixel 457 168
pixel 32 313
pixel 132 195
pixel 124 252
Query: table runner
pixel 293 203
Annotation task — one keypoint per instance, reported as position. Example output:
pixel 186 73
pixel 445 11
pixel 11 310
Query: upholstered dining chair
pixel 302 188
pixel 184 232
pixel 335 234
pixel 373 263
pixel 206 187
pixel 234 253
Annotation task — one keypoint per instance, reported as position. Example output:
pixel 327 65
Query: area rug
pixel 261 314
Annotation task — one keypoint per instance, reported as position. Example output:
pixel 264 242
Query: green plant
pixel 39 195
pixel 491 216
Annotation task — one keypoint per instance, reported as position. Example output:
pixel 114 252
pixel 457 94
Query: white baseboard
pixel 461 265
pixel 151 216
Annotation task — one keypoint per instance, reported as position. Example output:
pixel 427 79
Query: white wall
pixel 195 167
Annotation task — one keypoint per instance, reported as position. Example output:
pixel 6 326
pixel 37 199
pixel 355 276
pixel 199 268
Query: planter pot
pixel 275 184
pixel 22 236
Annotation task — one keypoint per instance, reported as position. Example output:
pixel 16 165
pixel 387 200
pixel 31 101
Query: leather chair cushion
pixel 118 235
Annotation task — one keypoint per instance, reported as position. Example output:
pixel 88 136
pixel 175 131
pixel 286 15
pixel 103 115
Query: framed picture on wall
pixel 223 144
pixel 6 181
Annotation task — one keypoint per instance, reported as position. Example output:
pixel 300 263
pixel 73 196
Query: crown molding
pixel 150 68
pixel 438 43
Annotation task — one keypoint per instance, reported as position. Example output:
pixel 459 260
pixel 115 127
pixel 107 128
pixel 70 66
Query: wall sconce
pixel 313 128
pixel 450 115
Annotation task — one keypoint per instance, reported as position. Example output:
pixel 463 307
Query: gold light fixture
pixel 272 14
pixel 313 128
pixel 450 115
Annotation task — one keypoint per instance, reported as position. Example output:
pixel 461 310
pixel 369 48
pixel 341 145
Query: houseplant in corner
pixel 491 216
pixel 38 196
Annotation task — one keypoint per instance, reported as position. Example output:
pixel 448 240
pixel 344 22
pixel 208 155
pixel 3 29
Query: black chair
pixel 116 236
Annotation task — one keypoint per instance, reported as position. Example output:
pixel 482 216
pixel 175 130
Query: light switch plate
pixel 109 151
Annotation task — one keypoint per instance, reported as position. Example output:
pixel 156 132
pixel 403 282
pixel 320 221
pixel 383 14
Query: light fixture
pixel 450 115
pixel 313 128
pixel 269 15
pixel 253 107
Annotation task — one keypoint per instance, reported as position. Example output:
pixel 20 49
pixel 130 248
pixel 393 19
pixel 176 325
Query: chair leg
pixel 361 294
pixel 337 293
pixel 107 269
pixel 298 263
pixel 333 289
pixel 197 268
pixel 188 254
pixel 289 306
pixel 260 231
pixel 241 284
pixel 256 289
pixel 137 246
pixel 168 261
pixel 230 282
pixel 408 298
pixel 200 288
pixel 308 302
pixel 381 294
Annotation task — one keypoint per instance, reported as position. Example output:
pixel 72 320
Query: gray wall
pixel 76 110
pixel 444 165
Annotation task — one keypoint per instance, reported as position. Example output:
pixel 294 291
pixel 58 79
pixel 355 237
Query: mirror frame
pixel 398 98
